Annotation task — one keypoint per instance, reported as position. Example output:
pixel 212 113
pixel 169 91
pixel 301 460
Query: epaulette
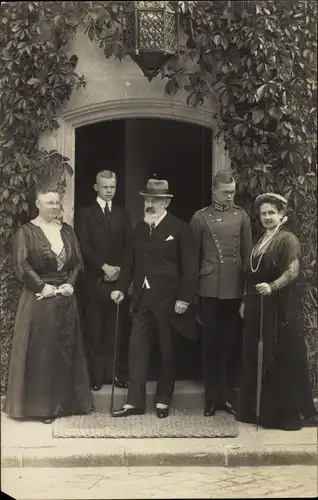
pixel 238 207
pixel 202 210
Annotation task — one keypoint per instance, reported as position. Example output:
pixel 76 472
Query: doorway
pixel 136 149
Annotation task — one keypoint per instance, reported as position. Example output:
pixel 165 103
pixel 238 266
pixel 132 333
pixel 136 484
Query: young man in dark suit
pixel 160 263
pixel 222 234
pixel 104 232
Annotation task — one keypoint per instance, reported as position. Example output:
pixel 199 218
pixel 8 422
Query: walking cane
pixel 259 365
pixel 115 359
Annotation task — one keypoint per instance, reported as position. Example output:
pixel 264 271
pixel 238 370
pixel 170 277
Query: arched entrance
pixel 64 138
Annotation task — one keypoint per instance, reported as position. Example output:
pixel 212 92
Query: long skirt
pixel 47 374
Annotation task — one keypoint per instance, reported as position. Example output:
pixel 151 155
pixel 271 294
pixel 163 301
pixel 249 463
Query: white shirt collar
pixel 102 203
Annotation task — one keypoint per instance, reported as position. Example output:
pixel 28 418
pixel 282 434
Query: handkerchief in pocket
pixel 169 238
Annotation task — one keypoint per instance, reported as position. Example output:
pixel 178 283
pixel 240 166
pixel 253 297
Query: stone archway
pixel 63 139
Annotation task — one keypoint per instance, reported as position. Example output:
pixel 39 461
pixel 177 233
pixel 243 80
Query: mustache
pixel 150 210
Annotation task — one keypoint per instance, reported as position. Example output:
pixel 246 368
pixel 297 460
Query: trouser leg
pixel 210 348
pixel 109 339
pixel 228 326
pixel 94 326
pixel 123 345
pixel 166 378
pixel 139 355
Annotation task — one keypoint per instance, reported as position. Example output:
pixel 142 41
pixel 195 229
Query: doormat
pixel 180 424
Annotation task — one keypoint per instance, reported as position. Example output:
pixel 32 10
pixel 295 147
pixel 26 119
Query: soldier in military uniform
pixel 223 239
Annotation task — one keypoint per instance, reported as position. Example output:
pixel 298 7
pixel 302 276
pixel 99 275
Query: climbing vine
pixel 257 60
pixel 36 77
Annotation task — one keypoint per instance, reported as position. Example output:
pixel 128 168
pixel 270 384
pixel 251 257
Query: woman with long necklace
pixel 286 398
pixel 47 375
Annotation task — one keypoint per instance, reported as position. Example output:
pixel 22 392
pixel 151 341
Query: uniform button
pixel 221 261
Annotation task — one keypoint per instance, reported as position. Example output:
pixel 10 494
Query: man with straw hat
pixel 160 263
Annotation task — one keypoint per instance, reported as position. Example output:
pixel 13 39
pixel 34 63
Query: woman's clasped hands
pixel 51 291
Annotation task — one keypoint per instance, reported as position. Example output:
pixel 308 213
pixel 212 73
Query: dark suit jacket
pixel 169 264
pixel 103 241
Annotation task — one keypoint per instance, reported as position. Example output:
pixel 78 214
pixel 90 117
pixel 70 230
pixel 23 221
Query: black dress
pixel 47 373
pixel 286 392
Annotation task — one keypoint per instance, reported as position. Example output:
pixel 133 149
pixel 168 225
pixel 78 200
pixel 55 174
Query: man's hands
pixel 117 296
pixel 111 272
pixel 180 307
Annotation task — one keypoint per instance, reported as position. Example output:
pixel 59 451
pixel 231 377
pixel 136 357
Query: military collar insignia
pixel 221 208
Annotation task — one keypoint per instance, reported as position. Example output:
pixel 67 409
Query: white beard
pixel 150 218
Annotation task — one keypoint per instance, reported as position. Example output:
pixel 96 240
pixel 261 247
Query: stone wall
pixel 118 89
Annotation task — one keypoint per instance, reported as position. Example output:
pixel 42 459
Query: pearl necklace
pixel 265 246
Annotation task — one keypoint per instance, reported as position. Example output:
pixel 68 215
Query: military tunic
pixel 223 242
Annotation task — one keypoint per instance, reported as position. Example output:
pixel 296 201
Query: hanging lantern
pixel 151 34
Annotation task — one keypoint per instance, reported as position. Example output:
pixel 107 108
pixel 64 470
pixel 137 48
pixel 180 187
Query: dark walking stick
pixel 115 359
pixel 259 365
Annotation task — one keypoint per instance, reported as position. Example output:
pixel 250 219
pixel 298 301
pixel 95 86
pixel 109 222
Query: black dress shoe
pixel 227 407
pixel 162 412
pixel 48 420
pixel 126 412
pixel 120 384
pixel 209 410
pixel 97 387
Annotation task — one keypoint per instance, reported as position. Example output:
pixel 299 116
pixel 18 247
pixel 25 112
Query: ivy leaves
pixel 105 25
pixel 260 62
pixel 36 77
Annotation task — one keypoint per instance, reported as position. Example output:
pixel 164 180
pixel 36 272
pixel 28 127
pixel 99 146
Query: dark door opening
pixel 136 149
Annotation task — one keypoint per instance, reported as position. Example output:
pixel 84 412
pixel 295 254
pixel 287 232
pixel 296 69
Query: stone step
pixel 187 394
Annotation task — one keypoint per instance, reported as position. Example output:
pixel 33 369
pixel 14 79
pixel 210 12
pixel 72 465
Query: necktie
pixel 151 228
pixel 107 211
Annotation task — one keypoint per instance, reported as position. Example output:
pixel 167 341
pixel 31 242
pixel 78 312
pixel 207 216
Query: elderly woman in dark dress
pixel 47 375
pixel 286 398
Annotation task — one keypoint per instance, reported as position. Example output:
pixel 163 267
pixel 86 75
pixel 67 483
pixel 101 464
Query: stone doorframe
pixel 63 139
